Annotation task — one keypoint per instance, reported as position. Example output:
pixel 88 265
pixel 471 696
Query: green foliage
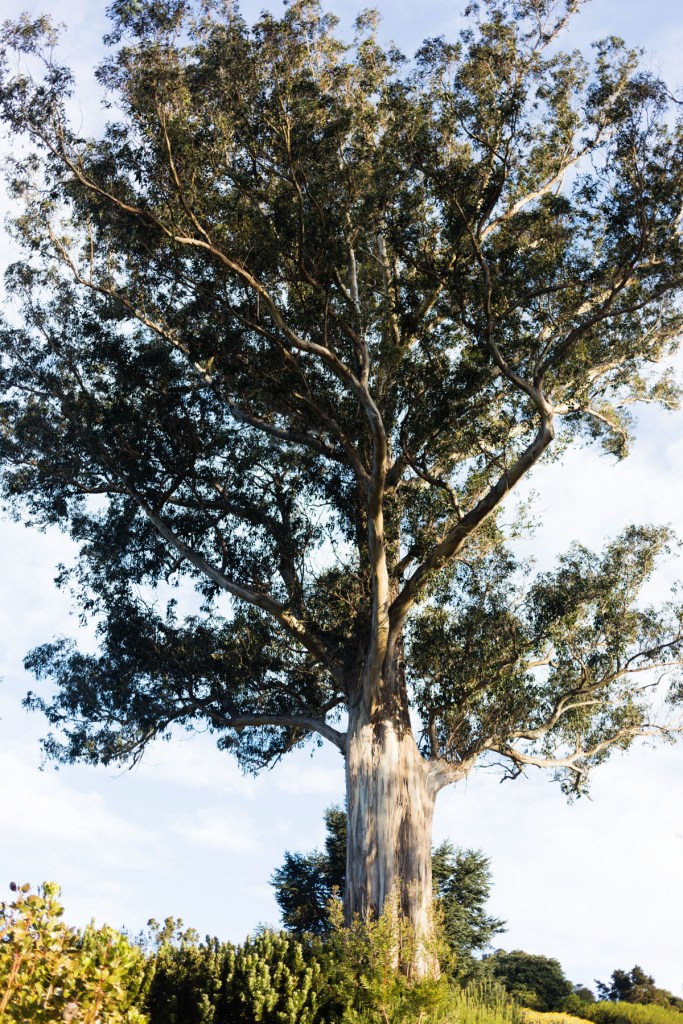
pixel 635 986
pixel 532 980
pixel 187 982
pixel 272 978
pixel 171 933
pixel 306 882
pixel 462 884
pixel 349 978
pixel 51 972
pixel 578 618
pixel 583 993
pixel 624 1013
pixel 483 1002
pixel 363 968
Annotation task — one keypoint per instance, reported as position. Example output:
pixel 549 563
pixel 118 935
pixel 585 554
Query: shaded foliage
pixel 533 980
pixel 635 986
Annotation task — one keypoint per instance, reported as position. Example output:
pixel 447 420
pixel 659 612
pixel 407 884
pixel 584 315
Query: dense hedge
pixel 606 1012
pixel 271 979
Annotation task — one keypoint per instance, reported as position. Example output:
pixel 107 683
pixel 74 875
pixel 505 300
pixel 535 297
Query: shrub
pixel 273 978
pixel 51 972
pixel 278 978
pixel 624 1013
pixel 534 981
pixel 186 982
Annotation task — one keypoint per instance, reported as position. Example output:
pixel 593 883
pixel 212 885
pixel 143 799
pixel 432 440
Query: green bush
pixel 51 972
pixel 606 1012
pixel 186 982
pixel 532 980
pixel 277 978
pixel 273 978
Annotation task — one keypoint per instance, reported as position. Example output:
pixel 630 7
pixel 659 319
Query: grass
pixel 609 1013
pixel 536 1017
pixel 631 1013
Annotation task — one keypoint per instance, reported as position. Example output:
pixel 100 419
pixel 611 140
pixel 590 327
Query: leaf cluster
pixel 49 971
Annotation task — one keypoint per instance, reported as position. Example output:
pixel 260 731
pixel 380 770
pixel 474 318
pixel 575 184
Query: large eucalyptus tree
pixel 290 332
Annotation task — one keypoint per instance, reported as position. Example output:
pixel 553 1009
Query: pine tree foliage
pixel 462 884
pixel 305 883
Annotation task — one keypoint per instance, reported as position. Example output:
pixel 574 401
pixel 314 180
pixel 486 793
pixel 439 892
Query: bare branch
pixel 576 761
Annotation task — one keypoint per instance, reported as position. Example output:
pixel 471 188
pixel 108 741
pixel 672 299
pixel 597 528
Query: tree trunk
pixel 390 807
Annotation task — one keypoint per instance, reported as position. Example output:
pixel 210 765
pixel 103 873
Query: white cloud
pixel 46 819
pixel 193 761
pixel 310 777
pixel 220 827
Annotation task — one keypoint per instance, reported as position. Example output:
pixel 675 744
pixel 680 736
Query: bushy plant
pixel 533 980
pixel 607 1012
pixel 362 970
pixel 50 972
pixel 350 977
pixel 273 978
pixel 187 981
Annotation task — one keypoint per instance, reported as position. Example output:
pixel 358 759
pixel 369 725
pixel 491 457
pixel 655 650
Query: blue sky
pixel 597 884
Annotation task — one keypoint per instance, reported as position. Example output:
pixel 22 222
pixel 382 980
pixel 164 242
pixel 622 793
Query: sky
pixel 597 884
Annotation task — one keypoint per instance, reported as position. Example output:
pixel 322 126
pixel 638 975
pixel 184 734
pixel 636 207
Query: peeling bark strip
pixel 390 807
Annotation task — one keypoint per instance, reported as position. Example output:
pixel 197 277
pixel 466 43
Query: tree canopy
pixel 636 986
pixel 291 330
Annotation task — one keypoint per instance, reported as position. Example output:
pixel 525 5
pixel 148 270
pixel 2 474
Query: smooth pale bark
pixel 390 808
